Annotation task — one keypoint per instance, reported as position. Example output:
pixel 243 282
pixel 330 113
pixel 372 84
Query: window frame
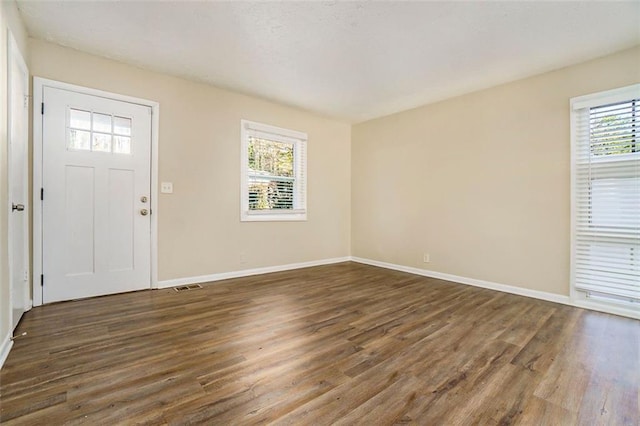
pixel 276 134
pixel 594 300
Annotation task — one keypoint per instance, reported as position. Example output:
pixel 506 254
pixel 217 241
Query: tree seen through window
pixel 271 174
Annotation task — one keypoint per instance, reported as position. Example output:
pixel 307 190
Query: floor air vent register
pixel 187 287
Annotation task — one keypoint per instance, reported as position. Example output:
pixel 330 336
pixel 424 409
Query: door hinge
pixel 42 108
pixel 41 280
pixel 41 194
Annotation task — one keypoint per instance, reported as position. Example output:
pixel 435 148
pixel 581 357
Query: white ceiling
pixel 351 60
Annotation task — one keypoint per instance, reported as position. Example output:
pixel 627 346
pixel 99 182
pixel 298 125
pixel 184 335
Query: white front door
pixel 96 196
pixel 18 101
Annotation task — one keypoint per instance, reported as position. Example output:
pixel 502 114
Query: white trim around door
pixel 18 182
pixel 39 85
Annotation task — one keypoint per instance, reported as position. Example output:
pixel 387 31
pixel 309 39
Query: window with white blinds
pixel 606 195
pixel 273 173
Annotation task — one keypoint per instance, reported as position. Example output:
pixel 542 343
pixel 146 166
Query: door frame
pixel 14 54
pixel 39 85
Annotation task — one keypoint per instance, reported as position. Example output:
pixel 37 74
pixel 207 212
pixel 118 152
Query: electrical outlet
pixel 426 258
pixel 166 187
pixel 243 258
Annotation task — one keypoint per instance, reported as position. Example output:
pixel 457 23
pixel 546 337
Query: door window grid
pixel 98 132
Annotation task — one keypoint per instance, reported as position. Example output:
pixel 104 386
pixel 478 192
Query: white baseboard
pixel 551 297
pixel 607 308
pixel 5 347
pixel 536 294
pixel 543 295
pixel 248 272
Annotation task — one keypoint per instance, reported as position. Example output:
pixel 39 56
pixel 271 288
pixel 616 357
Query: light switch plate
pixel 166 187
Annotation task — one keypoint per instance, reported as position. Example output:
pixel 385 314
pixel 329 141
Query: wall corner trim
pixel 248 272
pixel 536 294
pixel 5 347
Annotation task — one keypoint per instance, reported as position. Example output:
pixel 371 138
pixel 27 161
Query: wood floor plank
pixel 338 344
pixel 549 339
pixel 609 402
pixel 543 413
pixel 459 388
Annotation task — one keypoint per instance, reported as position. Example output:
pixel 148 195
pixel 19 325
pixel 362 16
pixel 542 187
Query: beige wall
pixel 9 19
pixel 200 231
pixel 481 181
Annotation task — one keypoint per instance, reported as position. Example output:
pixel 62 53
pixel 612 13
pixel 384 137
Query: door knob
pixel 144 199
pixel 144 212
pixel 19 207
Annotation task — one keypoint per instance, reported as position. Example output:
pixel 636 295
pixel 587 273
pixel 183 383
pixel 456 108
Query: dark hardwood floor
pixel 339 344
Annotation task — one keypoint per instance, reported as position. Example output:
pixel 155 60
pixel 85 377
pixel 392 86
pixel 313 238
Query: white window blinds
pixel 606 195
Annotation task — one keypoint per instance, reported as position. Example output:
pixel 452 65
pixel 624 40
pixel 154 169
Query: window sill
pixel 266 216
